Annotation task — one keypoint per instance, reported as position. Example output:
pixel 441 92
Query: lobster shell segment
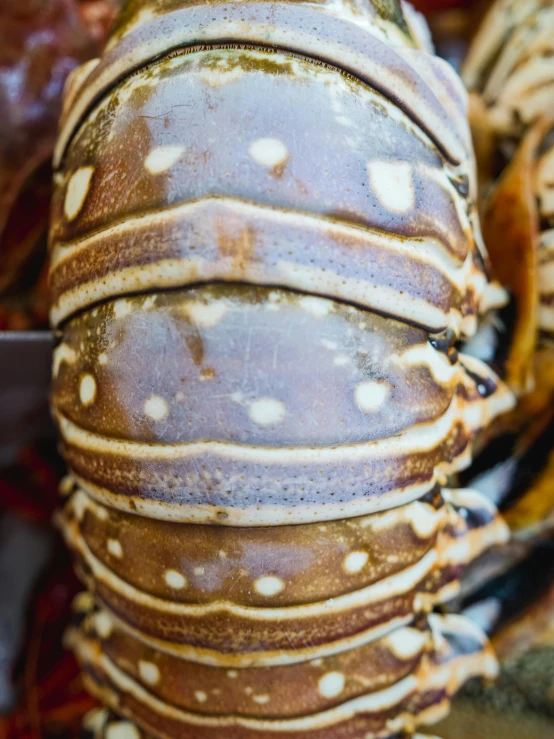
pixel 102 722
pixel 223 612
pixel 149 198
pixel 264 247
pixel 442 652
pixel 206 434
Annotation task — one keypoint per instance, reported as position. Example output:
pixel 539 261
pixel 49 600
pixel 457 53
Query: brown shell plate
pixel 259 406
pixel 423 694
pixel 264 246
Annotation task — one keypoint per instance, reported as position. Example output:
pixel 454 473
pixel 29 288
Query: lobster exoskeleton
pixel 264 248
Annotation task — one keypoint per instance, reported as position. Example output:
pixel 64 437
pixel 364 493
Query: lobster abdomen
pixel 264 246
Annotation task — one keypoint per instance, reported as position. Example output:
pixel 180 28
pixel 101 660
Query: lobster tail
pixel 264 249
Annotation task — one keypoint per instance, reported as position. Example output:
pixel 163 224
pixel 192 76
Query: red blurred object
pixel 51 699
pixel 30 486
pixel 41 42
pixel 432 6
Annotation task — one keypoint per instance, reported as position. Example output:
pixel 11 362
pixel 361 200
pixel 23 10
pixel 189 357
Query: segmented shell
pixel 264 246
pixel 200 210
pixel 453 645
pixel 511 65
pixel 101 722
pixel 328 412
pixel 251 596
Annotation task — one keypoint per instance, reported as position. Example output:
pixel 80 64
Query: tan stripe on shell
pixel 439 678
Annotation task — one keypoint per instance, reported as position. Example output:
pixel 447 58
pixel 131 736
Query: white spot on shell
pixel 331 684
pixel 156 407
pixel 206 314
pixel 215 77
pixel 392 183
pixel 174 579
pixel 423 519
pixel 266 411
pixel 122 308
pixel 96 719
pixel 83 602
pixel 103 359
pixel 344 120
pixel 405 643
pixel 370 395
pixel 149 302
pixel 122 730
pixel 149 672
pixel 101 513
pixel 199 570
pixel 341 360
pixel 355 562
pixel 115 548
pixel 318 307
pixel 268 152
pixel 269 585
pixel 162 158
pixel 232 674
pixel 77 191
pixel 103 624
pixel 200 696
pixel 87 389
pixel 261 699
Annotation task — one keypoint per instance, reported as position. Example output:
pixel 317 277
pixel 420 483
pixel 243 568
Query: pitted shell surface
pixel 264 248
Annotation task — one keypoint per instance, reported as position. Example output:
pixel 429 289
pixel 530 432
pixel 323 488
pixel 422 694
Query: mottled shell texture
pixel 264 248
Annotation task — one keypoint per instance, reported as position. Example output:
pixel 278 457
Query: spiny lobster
pixel 264 250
